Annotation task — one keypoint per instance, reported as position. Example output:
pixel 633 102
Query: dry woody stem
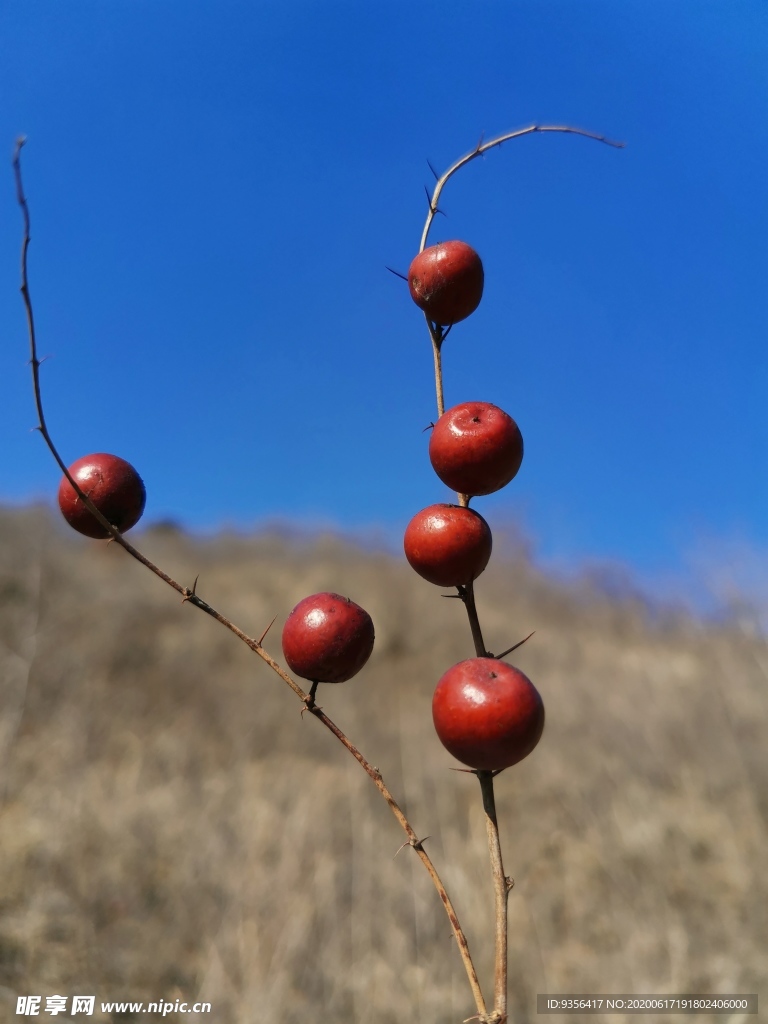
pixel 467 595
pixel 190 596
pixel 437 333
pixel 501 887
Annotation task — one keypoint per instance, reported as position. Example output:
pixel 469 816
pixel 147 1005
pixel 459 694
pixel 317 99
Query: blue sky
pixel 216 189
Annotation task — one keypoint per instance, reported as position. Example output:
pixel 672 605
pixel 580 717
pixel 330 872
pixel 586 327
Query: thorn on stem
pixel 261 638
pixel 189 594
pixel 513 647
pixel 415 843
pixel 309 700
pixel 396 273
pixel 437 176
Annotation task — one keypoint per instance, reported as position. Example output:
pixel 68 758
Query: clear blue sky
pixel 216 189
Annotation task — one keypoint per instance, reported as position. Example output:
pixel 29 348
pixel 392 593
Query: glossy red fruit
pixel 327 638
pixel 476 448
pixel 446 281
pixel 114 487
pixel 487 713
pixel 448 545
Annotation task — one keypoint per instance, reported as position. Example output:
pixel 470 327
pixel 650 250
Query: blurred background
pixel 215 193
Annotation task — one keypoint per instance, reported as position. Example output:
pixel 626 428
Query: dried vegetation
pixel 172 828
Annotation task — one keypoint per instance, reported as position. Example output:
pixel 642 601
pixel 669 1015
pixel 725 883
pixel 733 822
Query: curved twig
pixel 483 147
pixel 436 333
pixel 190 596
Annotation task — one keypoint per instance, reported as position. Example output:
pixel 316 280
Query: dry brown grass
pixel 172 827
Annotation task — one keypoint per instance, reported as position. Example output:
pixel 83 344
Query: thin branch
pixel 467 595
pixel 501 887
pixel 437 335
pixel 483 147
pixel 190 596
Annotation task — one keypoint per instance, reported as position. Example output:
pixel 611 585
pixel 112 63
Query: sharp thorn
pixel 189 594
pixel 437 176
pixel 514 647
pixel 259 641
pixel 397 273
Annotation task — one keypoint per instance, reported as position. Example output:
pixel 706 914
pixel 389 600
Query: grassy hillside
pixel 172 828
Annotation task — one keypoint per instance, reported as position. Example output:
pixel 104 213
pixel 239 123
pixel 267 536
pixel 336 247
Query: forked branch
pixel 190 596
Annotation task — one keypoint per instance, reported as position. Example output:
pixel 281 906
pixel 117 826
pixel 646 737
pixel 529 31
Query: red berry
pixel 487 713
pixel 327 638
pixel 446 281
pixel 448 545
pixel 476 448
pixel 114 487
